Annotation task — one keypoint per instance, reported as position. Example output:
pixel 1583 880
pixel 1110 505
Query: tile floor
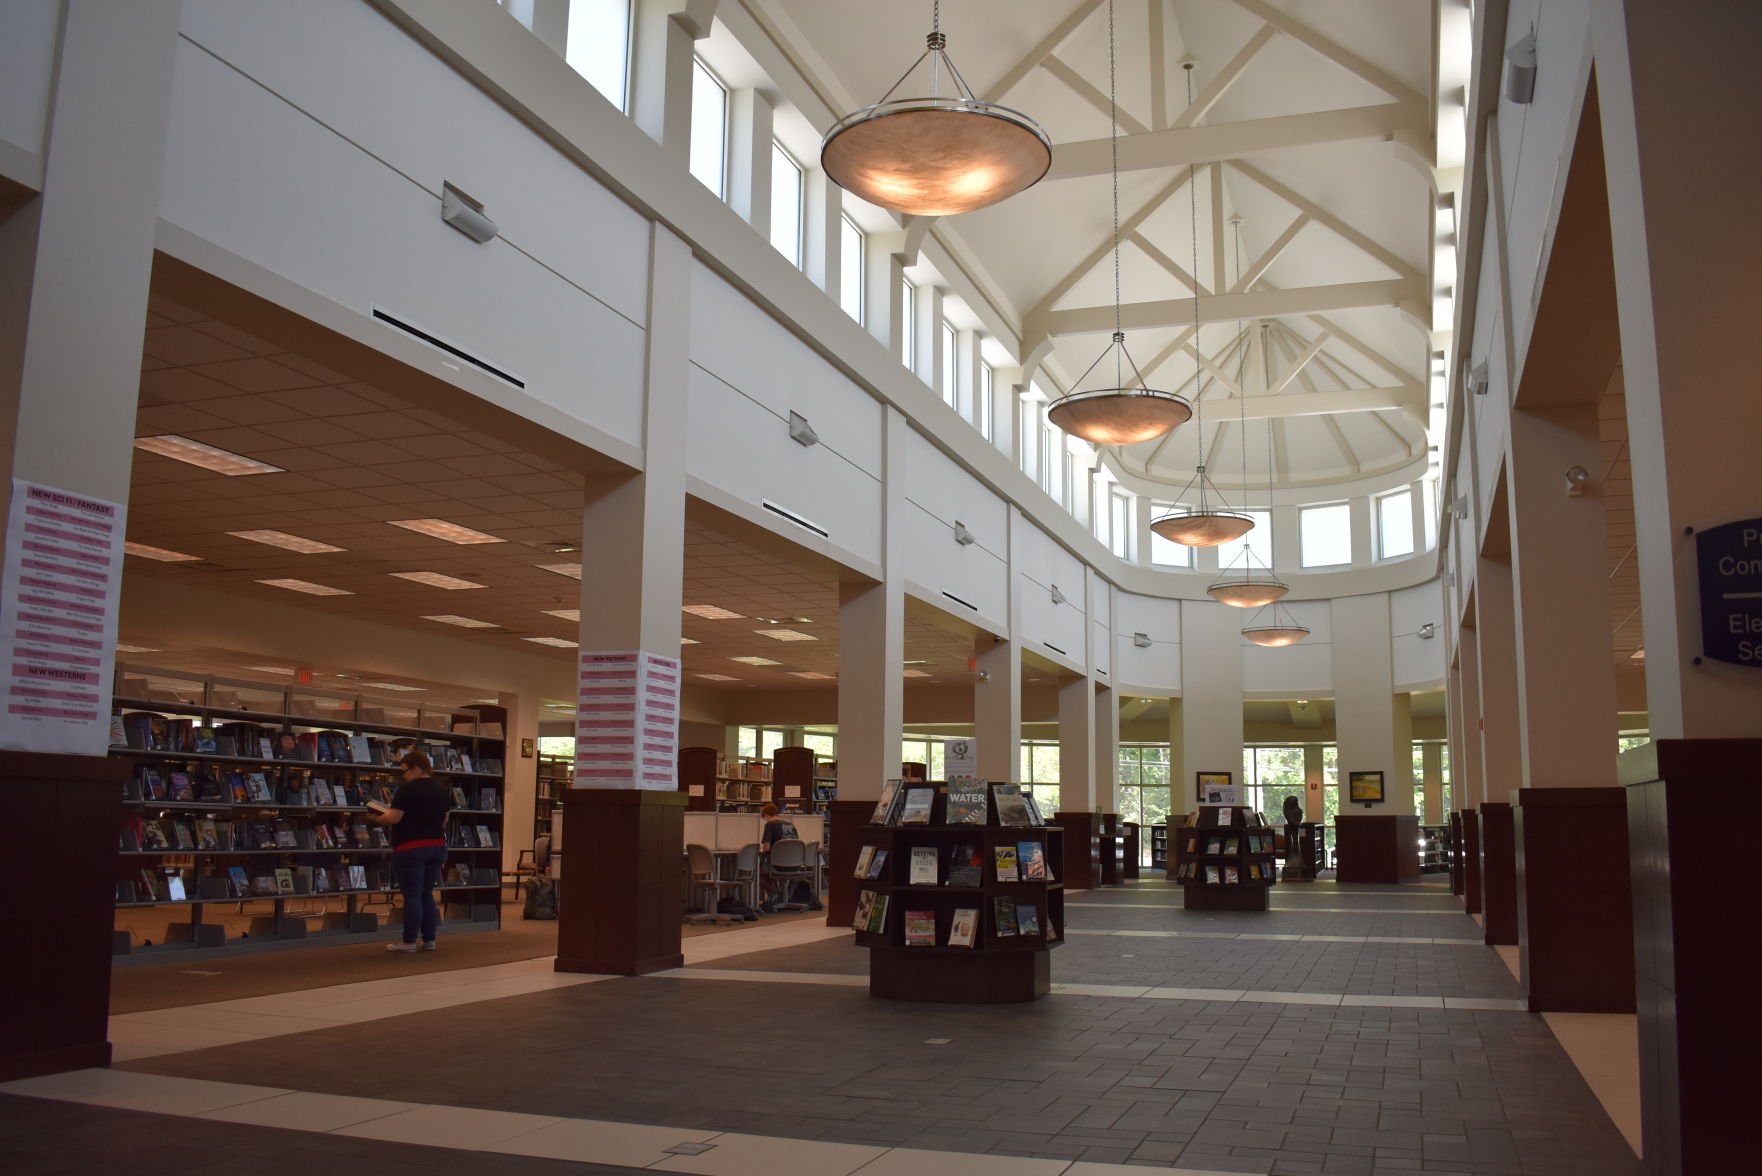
pixel 1346 1032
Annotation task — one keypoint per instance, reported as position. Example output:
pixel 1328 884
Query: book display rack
pixel 1159 848
pixel 958 898
pixel 1434 849
pixel 554 774
pixel 1225 857
pixel 243 793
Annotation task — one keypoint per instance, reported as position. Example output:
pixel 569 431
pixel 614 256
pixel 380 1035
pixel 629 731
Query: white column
pixel 1364 693
pixel 75 263
pixel 997 696
pixel 871 655
pixel 823 228
pixel 1107 748
pixel 1362 546
pixel 1400 790
pixel 519 775
pixel 749 158
pixel 1560 577
pixel 1314 783
pixel 660 72
pixel 1211 690
pixel 927 335
pixel 882 275
pixel 1076 745
pixel 966 373
pixel 1501 757
pixel 1006 434
pixel 1469 787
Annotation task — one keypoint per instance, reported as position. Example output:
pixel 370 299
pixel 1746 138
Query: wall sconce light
pixel 800 431
pixel 1576 478
pixel 466 214
pixel 1427 631
pixel 1057 596
pixel 961 535
pixel 1141 640
pixel 1459 508
pixel 1477 378
pixel 1520 70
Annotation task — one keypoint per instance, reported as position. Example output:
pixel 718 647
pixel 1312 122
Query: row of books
pixel 1257 843
pixel 282 882
pixel 1226 875
pixel 1025 861
pixel 969 803
pixel 1011 919
pixel 206 835
pixel 144 731
pixel 295 789
pixel 1226 816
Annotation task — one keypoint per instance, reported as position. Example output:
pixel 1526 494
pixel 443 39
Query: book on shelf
pixel 486 838
pixel 182 787
pixel 1225 815
pixel 878 916
pixel 883 814
pixel 153 836
pixel 459 797
pixel 358 877
pixel 284 836
pixel 865 907
pixel 1211 875
pixel 359 751
pixel 204 741
pixel 489 800
pixel 963 926
pixel 207 837
pixel 920 928
pixel 181 834
pixel 916 810
pixel 1232 846
pixel 1035 816
pixel 149 885
pixel 1008 867
pixel 1051 928
pixel 237 882
pixel 1214 845
pixel 967 801
pixel 358 835
pixel 284 880
pixel 489 766
pixel 1004 908
pixel 153 784
pixel 263 884
pixel 877 863
pixel 118 733
pixel 923 869
pixel 865 855
pixel 257 785
pixel 1032 856
pixel 966 865
pixel 320 880
pixel 209 788
pixel 303 879
pixel 1192 845
pixel 1028 918
pixel 1253 872
pixel 1012 809
pixel 1232 876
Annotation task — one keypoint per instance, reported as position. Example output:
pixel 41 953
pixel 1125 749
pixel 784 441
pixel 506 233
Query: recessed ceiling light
pixel 286 670
pixel 564 614
pixel 572 570
pixel 786 635
pixel 558 642
pixel 916 674
pixel 121 648
pixel 561 547
pixel 462 622
pixel 689 641
pixel 755 661
pixel 441 529
pixel 812 675
pixel 290 542
pixel 208 457
pixel 308 587
pixel 158 553
pixel 395 686
pixel 717 678
pixel 437 580
pixel 711 612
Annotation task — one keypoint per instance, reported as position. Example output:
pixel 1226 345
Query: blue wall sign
pixel 1730 560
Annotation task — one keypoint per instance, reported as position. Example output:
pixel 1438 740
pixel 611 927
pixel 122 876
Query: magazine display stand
pixel 1225 859
pixel 913 939
pixel 229 824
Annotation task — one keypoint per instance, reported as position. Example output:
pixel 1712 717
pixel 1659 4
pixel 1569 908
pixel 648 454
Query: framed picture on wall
pixel 1215 788
pixel 1364 787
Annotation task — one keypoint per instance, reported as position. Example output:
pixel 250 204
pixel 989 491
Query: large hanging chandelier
pixel 1279 629
pixel 1204 525
pixel 1126 413
pixel 935 156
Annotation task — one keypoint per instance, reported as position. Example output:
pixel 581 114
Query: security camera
pixel 1576 477
pixel 1520 70
pixel 466 215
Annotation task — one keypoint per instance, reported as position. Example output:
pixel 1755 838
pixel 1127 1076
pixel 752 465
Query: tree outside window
pixel 1040 773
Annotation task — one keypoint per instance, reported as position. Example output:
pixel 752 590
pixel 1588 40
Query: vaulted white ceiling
pixel 1311 122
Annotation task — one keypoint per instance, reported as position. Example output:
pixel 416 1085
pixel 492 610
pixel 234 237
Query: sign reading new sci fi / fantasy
pixel 1730 559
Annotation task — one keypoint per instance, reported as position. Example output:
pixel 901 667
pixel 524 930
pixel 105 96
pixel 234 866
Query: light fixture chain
pixel 1113 139
pixel 1242 374
pixel 1198 368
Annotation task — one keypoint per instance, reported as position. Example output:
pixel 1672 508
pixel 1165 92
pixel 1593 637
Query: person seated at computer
pixel 777 828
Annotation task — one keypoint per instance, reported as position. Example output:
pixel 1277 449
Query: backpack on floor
pixel 541 899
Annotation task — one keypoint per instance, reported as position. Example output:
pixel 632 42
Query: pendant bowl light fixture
pixel 935 156
pixel 1280 629
pixel 1203 525
pixel 1126 413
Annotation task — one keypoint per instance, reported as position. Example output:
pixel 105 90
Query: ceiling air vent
pixel 435 341
pixel 786 513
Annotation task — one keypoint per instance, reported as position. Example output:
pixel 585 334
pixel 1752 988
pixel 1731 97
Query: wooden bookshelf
pixel 792 779
pixel 698 771
pixel 554 775
pixel 293 825
pixel 998 968
pixel 1225 859
pixel 1159 848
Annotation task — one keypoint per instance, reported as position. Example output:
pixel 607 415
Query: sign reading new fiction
pixel 1730 559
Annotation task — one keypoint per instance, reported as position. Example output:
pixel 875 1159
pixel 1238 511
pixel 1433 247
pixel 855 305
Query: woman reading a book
pixel 417 818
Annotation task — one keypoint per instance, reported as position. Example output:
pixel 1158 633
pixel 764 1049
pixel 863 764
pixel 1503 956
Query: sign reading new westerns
pixel 1730 560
